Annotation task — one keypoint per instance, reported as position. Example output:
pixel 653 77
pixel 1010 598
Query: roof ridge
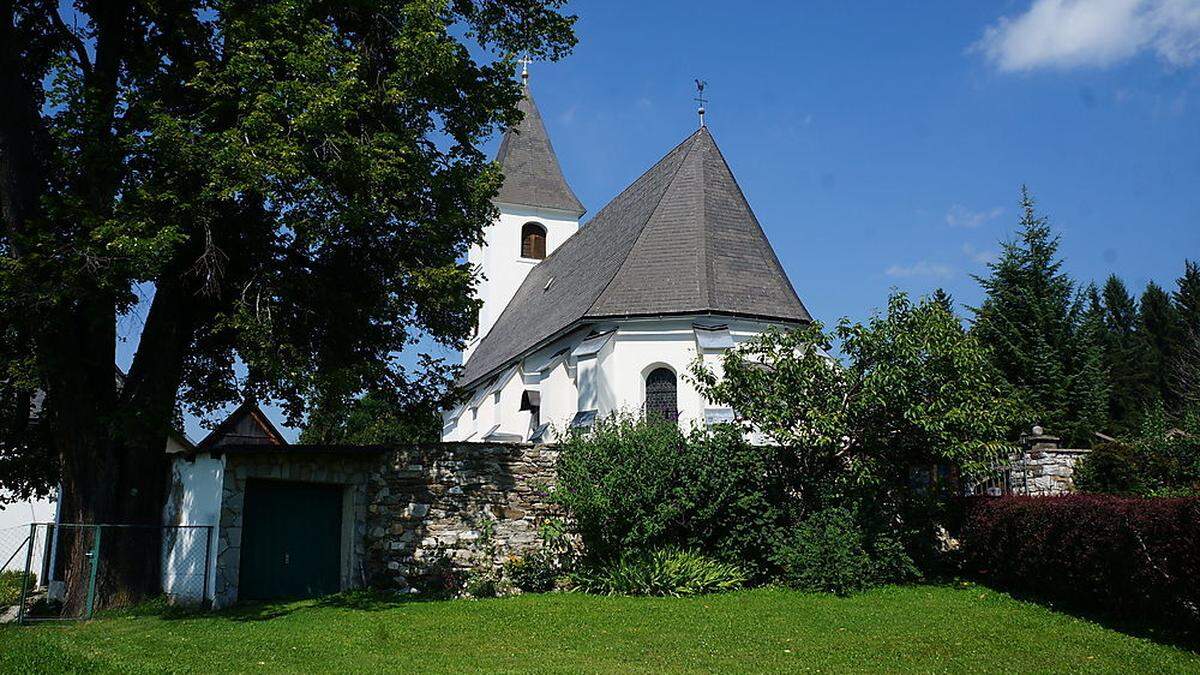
pixel 657 204
pixel 704 243
pixel 761 233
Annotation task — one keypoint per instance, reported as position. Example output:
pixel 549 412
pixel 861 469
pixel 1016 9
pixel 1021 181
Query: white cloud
pixel 961 216
pixel 1074 33
pixel 979 256
pixel 921 268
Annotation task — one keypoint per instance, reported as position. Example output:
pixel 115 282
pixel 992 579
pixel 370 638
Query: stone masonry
pixel 1044 469
pixel 437 511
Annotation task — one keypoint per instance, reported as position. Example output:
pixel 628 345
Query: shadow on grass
pixel 1177 635
pixel 358 600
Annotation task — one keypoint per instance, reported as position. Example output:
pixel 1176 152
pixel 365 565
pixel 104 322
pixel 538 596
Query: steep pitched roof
pixel 247 425
pixel 532 176
pixel 680 240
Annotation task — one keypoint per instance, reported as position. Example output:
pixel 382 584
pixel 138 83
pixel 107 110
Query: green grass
pixel 918 628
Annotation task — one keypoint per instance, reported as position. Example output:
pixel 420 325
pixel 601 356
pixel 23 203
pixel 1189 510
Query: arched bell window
pixel 533 241
pixel 661 394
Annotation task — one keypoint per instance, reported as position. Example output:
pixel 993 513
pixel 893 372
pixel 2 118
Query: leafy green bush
pixel 660 572
pixel 633 486
pixel 10 586
pixel 831 552
pixel 1161 459
pixel 535 572
pixel 1110 468
pixel 482 583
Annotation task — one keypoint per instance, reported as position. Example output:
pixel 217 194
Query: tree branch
pixel 77 45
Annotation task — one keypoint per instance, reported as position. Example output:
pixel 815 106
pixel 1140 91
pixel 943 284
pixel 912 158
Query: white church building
pixel 582 320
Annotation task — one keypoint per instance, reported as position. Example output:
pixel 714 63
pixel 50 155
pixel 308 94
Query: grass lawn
pixel 920 628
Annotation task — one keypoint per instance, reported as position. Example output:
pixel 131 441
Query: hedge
pixel 1137 557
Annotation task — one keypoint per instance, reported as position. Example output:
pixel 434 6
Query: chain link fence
pixel 68 571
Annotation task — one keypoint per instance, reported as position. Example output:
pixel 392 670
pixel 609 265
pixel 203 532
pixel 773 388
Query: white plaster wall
pixel 613 380
pixel 194 499
pixel 14 528
pixel 500 262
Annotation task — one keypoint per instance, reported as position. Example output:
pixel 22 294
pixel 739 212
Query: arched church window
pixel 661 400
pixel 533 241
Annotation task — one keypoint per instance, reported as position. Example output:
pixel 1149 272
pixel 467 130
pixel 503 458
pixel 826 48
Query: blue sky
pixel 882 144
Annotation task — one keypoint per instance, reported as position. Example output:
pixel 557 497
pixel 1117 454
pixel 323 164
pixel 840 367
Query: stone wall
pixel 414 518
pixel 437 511
pixel 1044 469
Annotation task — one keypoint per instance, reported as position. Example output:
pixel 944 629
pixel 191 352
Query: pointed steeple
pixel 532 176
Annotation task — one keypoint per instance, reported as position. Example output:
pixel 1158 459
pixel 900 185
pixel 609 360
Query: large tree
pixel 293 183
pixel 1032 321
pixel 1185 362
pixel 1158 331
pixel 1125 355
pixel 914 390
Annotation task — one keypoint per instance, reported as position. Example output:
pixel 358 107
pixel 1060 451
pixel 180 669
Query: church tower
pixel 538 211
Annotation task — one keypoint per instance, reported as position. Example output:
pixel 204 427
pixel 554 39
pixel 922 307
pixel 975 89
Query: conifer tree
pixel 1027 318
pixel 1090 389
pixel 1124 354
pixel 1158 332
pixel 1185 363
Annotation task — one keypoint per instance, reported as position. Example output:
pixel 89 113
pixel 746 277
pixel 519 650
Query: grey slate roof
pixel 532 176
pixel 680 240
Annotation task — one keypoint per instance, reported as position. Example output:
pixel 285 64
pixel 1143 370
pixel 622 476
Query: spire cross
pixel 700 84
pixel 525 61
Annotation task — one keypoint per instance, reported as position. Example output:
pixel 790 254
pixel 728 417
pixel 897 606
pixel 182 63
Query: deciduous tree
pixel 295 183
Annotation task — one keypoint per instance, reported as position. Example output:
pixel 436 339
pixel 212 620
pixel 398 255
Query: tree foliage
pixel 1038 332
pixel 291 184
pixel 915 390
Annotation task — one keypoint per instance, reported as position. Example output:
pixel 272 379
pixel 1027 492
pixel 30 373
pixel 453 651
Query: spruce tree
pixel 1090 389
pixel 1028 321
pixel 1184 371
pixel 941 297
pixel 1158 331
pixel 1124 354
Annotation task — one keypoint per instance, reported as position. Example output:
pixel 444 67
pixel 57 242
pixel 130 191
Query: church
pixel 583 319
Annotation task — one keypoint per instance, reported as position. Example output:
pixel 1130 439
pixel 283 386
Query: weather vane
pixel 700 97
pixel 525 61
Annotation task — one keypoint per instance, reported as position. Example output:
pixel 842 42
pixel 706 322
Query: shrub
pixel 831 552
pixel 660 572
pixel 10 586
pixel 482 583
pixel 1110 468
pixel 535 572
pixel 635 486
pixel 1135 556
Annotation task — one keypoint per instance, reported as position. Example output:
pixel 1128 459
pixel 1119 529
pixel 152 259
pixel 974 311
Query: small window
pixel 533 241
pixel 661 396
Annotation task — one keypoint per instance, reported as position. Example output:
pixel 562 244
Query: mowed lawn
pixel 920 628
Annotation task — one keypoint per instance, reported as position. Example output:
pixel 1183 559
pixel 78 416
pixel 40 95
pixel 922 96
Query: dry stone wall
pixel 435 512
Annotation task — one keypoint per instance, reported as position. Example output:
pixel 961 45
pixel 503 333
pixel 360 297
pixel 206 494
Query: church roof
pixel 532 176
pixel 680 240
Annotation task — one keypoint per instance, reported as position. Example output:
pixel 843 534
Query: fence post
pixel 208 546
pixel 91 596
pixel 25 577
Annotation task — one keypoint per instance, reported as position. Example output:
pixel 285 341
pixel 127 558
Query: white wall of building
pixel 194 499
pixel 500 262
pixel 609 381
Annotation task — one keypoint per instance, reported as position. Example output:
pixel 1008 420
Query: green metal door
pixel 291 540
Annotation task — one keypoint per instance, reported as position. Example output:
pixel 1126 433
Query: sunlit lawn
pixel 920 628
